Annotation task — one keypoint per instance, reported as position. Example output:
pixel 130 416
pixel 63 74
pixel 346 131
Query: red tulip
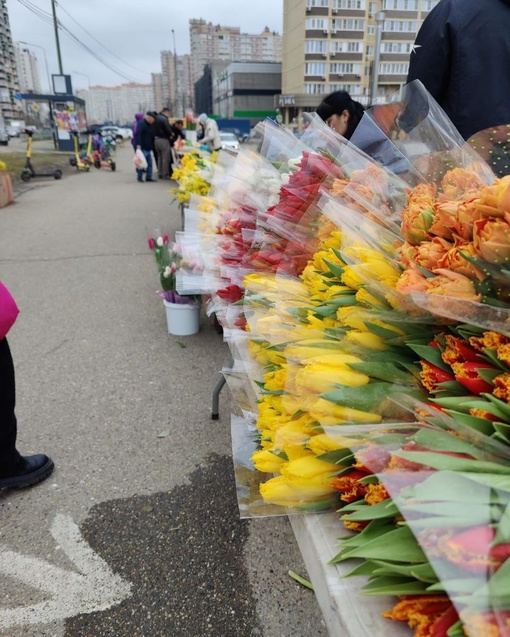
pixel 467 374
pixel 152 243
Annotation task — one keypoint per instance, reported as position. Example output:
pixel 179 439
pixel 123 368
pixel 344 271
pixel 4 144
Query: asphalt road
pixel 98 379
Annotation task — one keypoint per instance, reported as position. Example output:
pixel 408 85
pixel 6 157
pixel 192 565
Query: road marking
pixel 93 589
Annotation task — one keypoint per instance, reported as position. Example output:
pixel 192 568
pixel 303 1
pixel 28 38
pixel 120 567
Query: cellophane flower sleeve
pixel 430 508
pixel 420 131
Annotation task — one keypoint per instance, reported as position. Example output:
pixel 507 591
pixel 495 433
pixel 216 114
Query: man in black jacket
pixel 144 140
pixel 462 56
pixel 163 135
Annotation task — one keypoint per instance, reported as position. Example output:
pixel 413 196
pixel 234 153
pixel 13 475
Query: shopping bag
pixel 6 196
pixel 139 160
pixel 8 311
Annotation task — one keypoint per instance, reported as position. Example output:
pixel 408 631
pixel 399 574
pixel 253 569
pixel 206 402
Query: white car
pixel 118 132
pixel 229 141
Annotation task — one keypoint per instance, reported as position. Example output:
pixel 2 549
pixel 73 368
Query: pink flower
pixel 152 243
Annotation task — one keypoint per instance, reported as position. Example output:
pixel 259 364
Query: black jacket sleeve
pixel 431 58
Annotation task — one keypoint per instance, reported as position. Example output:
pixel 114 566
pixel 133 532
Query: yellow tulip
pixel 275 381
pixel 304 480
pixel 328 413
pixel 331 359
pixel 309 472
pixel 312 348
pixel 324 443
pixel 363 296
pixel 267 462
pixel 293 433
pixel 321 323
pixel 365 339
pixel 292 403
pixel 319 378
pixel 351 278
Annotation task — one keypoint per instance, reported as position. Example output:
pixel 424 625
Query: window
pixel 393 68
pixel 401 5
pixel 371 29
pixel 346 46
pixel 352 89
pixel 315 68
pixel 312 89
pixel 348 24
pixel 316 46
pixel 341 68
pixel 409 26
pixel 428 5
pixel 349 4
pixel 317 3
pixel 370 51
pixel 396 47
pixel 317 23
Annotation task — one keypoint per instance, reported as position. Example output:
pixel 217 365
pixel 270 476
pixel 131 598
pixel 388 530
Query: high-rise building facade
pixel 211 43
pixel 29 78
pixel 157 87
pixel 9 108
pixel 117 104
pixel 330 45
pixel 177 83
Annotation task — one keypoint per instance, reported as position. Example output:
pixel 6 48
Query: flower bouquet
pixel 182 310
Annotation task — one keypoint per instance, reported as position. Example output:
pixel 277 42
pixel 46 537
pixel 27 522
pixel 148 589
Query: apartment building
pixel 157 87
pixel 117 103
pixel 27 66
pixel 177 83
pixel 329 45
pixel 9 108
pixel 212 43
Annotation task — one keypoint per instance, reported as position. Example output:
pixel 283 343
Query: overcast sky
pixel 135 31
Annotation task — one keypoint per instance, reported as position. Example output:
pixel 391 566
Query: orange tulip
pixel 491 239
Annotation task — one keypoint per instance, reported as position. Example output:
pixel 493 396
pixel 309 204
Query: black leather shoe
pixel 150 180
pixel 28 470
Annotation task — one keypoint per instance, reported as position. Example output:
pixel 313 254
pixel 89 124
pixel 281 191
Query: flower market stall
pixel 363 289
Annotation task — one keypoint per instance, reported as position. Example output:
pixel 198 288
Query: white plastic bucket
pixel 183 319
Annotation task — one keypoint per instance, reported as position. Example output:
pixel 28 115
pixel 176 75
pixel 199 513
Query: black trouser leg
pixel 8 430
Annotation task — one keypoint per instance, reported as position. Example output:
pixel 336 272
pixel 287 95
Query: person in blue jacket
pixel 144 141
pixel 462 56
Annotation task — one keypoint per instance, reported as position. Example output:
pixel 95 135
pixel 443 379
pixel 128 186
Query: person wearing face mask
pixel 341 113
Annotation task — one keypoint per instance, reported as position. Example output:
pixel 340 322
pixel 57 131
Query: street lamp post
pixel 379 20
pixel 37 46
pixel 176 94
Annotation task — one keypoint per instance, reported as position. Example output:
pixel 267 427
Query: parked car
pixel 13 131
pixel 118 132
pixel 229 141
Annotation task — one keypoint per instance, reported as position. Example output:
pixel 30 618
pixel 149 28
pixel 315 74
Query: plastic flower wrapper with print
pixel 446 507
